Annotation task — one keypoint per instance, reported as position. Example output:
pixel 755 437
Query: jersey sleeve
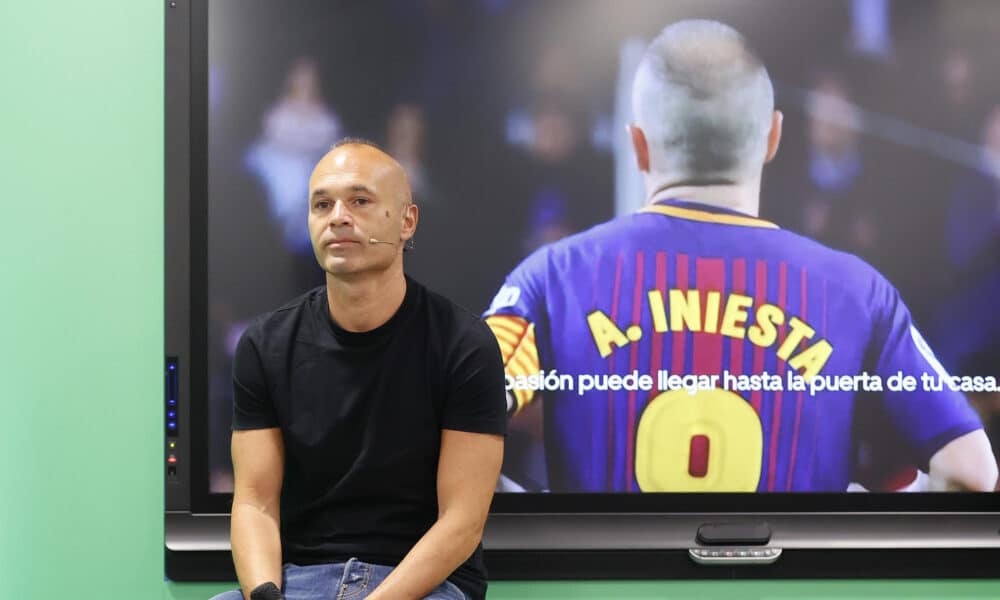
pixel 252 405
pixel 476 399
pixel 927 418
pixel 522 293
pixel 512 316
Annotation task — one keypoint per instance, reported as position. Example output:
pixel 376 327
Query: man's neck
pixel 742 197
pixel 365 302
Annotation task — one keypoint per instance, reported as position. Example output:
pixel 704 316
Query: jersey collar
pixel 696 211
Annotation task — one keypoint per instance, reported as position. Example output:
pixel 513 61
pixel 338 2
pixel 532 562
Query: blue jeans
pixel 352 580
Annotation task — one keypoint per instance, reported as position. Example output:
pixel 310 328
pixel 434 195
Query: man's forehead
pixel 357 156
pixel 330 183
pixel 343 172
pixel 347 167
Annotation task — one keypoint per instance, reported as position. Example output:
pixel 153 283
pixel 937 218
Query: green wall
pixel 81 298
pixel 81 288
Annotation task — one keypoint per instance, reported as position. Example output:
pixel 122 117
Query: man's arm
pixel 926 416
pixel 468 468
pixel 964 464
pixel 258 465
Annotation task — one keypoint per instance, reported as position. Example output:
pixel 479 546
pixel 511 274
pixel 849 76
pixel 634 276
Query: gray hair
pixel 357 141
pixel 704 101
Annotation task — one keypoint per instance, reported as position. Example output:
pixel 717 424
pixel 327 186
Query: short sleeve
pixel 476 400
pixel 927 418
pixel 252 405
pixel 522 293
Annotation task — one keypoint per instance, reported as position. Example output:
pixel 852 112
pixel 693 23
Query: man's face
pixel 357 193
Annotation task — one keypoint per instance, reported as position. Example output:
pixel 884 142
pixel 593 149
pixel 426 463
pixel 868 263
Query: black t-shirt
pixel 361 415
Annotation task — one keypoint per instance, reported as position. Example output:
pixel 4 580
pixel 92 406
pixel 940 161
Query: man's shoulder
pixel 445 308
pixel 450 319
pixel 832 264
pixel 283 320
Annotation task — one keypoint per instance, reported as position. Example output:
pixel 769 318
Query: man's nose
pixel 340 215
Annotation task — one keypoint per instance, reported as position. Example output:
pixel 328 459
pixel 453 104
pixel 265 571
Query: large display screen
pixel 680 370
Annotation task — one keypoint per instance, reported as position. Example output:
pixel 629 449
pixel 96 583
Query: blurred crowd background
pixel 509 117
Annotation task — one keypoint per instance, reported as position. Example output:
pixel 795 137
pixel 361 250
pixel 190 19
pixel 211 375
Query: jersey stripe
pixel 681 283
pixel 612 450
pixel 736 345
pixel 710 275
pixel 803 304
pixel 760 296
pixel 633 364
pixel 772 458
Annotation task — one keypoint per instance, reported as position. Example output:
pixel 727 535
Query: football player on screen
pixel 693 346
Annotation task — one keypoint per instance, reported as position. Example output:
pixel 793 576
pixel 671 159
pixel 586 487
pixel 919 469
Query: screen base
pixel 505 565
pixel 656 546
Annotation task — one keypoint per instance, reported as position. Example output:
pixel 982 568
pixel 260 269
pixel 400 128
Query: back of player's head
pixel 704 101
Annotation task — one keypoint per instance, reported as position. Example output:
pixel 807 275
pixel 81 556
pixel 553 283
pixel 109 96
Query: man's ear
pixel 411 214
pixel 640 147
pixel 774 136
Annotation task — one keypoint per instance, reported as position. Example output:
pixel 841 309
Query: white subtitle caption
pixel 767 382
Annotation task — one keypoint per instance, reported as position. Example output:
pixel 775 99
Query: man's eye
pixel 361 201
pixel 322 205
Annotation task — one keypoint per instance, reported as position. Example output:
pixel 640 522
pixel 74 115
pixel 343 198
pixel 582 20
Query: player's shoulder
pixel 823 255
pixel 848 272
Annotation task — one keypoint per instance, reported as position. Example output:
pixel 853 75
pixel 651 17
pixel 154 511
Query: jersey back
pixel 688 348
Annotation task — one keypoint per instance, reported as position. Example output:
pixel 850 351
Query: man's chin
pixel 339 268
pixel 344 268
pixel 351 268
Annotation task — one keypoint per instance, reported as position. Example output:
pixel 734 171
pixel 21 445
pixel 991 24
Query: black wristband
pixel 266 591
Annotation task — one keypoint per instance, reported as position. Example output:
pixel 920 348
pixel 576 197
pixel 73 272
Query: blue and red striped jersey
pixel 692 348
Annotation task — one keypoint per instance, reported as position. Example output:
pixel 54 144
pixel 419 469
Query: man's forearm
pixel 445 546
pixel 256 542
pixel 962 482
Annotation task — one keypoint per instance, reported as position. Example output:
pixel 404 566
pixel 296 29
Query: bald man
pixel 679 343
pixel 369 414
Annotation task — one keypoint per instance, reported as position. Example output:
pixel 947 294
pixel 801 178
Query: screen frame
pixel 188 495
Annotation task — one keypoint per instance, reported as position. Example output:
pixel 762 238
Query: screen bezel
pixel 187 326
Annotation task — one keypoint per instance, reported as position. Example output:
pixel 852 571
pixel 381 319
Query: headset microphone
pixel 407 245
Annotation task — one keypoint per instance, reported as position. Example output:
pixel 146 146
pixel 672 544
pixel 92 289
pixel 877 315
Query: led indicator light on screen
pixel 172 402
pixel 172 445
pixel 172 425
pixel 171 459
pixel 172 414
pixel 172 367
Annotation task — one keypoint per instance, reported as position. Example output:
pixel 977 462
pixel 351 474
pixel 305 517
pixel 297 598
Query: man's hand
pixel 267 591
